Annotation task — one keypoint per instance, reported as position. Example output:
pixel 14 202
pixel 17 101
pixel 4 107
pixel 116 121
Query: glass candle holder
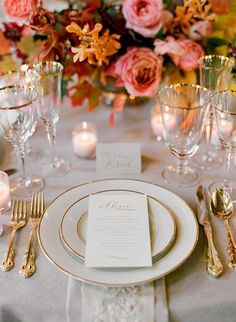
pixel 5 201
pixel 84 139
pixel 156 122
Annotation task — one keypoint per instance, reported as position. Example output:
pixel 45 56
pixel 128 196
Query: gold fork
pixel 18 220
pixel 28 266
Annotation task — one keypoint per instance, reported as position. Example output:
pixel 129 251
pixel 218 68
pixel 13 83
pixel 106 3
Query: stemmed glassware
pixel 224 104
pixel 214 75
pixel 46 77
pixel 19 77
pixel 17 116
pixel 186 106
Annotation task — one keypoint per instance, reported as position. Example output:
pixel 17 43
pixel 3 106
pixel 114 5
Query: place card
pixel 118 231
pixel 118 158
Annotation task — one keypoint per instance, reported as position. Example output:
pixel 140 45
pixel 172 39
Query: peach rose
pixel 143 16
pixel 139 71
pixel 171 47
pixel 193 51
pixel 200 29
pixel 20 9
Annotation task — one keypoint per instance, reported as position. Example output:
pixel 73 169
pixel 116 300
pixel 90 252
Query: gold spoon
pixel 222 208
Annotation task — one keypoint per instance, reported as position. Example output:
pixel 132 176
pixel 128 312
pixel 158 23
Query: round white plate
pixel 73 227
pixel 187 234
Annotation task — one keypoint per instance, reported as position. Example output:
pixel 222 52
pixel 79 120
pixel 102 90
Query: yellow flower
pixel 93 47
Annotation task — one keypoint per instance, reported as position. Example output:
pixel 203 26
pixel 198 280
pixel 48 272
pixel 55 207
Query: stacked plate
pixel 62 232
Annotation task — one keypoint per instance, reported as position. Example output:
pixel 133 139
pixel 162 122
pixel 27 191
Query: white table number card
pixel 118 158
pixel 118 231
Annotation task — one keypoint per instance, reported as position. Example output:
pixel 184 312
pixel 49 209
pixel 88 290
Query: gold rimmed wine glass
pixel 46 76
pixel 20 77
pixel 17 115
pixel 214 75
pixel 187 107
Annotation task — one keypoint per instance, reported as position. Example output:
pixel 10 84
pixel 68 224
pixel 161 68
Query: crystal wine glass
pixel 184 109
pixel 20 77
pixel 17 115
pixel 46 77
pixel 214 75
pixel 224 104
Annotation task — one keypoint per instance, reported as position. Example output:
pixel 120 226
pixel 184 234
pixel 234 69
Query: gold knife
pixel 214 265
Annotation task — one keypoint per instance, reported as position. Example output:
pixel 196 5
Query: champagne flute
pixel 17 115
pixel 46 77
pixel 214 75
pixel 186 106
pixel 224 104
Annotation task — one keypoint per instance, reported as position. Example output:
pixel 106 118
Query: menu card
pixel 118 231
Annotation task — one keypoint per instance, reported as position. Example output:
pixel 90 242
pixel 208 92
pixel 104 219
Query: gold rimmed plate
pixel 73 227
pixel 52 247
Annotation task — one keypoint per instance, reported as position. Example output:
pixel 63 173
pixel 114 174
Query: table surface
pixel 192 294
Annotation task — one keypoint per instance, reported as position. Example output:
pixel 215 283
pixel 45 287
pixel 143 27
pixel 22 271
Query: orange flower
pixel 93 47
pixel 190 12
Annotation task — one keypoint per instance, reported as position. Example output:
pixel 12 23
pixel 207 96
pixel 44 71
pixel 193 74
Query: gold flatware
pixel 18 220
pixel 214 265
pixel 222 208
pixel 28 266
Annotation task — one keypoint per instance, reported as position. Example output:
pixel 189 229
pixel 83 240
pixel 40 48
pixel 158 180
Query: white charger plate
pixel 49 240
pixel 73 227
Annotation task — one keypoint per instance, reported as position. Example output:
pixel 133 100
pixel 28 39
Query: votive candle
pixel 156 123
pixel 5 200
pixel 84 138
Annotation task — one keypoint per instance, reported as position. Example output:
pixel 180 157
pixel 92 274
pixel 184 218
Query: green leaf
pixel 159 34
pixel 57 26
pixel 132 34
pixel 214 42
pixel 64 84
pixel 167 3
pixel 112 12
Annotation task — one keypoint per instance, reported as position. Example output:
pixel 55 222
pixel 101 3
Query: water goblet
pixel 187 107
pixel 20 77
pixel 17 115
pixel 46 77
pixel 224 104
pixel 214 75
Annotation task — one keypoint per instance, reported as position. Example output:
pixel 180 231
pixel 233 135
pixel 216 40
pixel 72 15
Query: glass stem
pixel 51 135
pixel 181 166
pixel 209 126
pixel 228 168
pixel 27 147
pixel 20 151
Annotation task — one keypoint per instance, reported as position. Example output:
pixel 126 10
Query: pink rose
pixel 143 16
pixel 193 51
pixel 200 29
pixel 20 9
pixel 139 71
pixel 171 47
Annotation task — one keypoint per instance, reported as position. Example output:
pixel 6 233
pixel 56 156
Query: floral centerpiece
pixel 128 45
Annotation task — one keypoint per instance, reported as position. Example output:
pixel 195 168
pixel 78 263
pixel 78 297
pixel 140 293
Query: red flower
pixel 51 49
pixel 12 31
pixel 42 21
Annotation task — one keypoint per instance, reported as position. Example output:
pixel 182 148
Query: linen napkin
pixel 92 303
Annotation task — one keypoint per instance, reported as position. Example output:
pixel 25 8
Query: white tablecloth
pixel 193 295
